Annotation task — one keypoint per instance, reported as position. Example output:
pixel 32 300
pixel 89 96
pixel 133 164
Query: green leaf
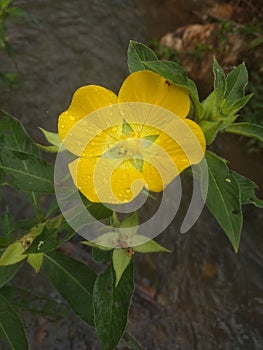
pixel 111 306
pixel 54 139
pixel 28 173
pixel 13 137
pixel 35 304
pixel 149 247
pixel 137 53
pixel 175 74
pixel 8 272
pixel 35 260
pixel 224 198
pixel 120 261
pixel 11 326
pixel 101 255
pixel 51 238
pixel 236 82
pixel 219 83
pixel 16 251
pixel 248 188
pixel 13 254
pixel 237 105
pixel 130 221
pixel 210 129
pixel 246 129
pixel 97 246
pixel 74 281
pixel 220 108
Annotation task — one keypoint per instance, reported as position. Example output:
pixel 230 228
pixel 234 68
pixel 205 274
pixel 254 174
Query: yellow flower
pixel 138 139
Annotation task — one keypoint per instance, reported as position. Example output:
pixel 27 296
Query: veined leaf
pixel 74 281
pixel 8 272
pixel 35 304
pixel 50 238
pixel 111 306
pixel 28 173
pixel 247 189
pixel 13 137
pixel 224 198
pixel 246 129
pixel 10 322
pixel 236 82
pixel 137 53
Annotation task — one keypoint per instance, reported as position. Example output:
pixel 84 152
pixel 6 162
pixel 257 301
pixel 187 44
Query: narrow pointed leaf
pixel 120 261
pixel 8 272
pixel 11 326
pixel 224 198
pixel 248 190
pixel 246 129
pixel 74 280
pixel 111 306
pixel 149 246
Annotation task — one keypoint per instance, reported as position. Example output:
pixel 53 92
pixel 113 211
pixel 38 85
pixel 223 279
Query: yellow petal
pixel 106 180
pixel 85 100
pixel 82 170
pixel 146 86
pixel 152 178
pixel 126 182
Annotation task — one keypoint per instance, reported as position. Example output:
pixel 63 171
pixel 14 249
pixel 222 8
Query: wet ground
pixel 203 296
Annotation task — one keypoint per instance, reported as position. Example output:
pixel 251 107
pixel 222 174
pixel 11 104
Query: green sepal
pixel 149 246
pixel 35 260
pixel 120 261
pixel 126 128
pixel 54 139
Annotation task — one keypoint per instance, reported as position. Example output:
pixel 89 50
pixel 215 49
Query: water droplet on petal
pixel 62 126
pixel 72 118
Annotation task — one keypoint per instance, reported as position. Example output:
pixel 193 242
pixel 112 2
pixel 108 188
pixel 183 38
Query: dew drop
pixel 72 118
pixel 62 126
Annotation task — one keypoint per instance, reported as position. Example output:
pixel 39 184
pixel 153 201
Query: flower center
pixel 130 147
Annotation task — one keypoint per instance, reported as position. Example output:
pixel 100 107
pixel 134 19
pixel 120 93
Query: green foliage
pixel 141 57
pixel 10 321
pixel 74 281
pixel 224 198
pixel 111 306
pixel 120 261
pixel 221 107
pixel 103 301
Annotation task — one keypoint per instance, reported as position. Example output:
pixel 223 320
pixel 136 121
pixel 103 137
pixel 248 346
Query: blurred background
pixel 203 295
